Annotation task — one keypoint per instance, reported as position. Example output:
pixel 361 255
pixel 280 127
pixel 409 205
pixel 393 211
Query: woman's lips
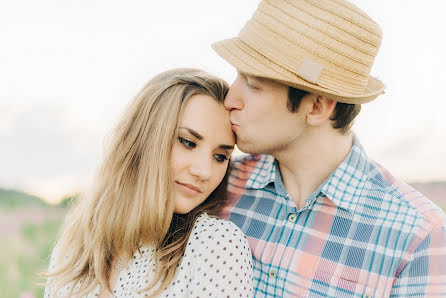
pixel 188 188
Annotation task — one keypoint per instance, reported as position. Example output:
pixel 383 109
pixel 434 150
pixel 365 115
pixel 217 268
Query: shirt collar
pixel 344 186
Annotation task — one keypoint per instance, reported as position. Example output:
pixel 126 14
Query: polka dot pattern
pixel 216 263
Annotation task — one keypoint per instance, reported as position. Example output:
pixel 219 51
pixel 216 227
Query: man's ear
pixel 322 109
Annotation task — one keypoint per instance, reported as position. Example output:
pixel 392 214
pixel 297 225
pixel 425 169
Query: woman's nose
pixel 201 167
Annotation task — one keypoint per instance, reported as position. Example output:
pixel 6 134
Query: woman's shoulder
pixel 211 232
pixel 216 227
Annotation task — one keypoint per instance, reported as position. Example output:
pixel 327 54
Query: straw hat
pixel 325 47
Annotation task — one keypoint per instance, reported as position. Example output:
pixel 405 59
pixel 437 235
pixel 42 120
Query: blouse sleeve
pixel 223 262
pixel 49 289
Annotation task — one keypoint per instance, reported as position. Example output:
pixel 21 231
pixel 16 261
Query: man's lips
pixel 189 188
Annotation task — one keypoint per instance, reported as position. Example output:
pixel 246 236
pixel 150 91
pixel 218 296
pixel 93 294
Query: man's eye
pixel 252 86
pixel 188 144
pixel 220 157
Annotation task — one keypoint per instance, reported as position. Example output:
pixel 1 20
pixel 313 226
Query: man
pixel 321 217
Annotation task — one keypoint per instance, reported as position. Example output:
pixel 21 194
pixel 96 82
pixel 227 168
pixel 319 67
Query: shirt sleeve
pixel 424 274
pixel 223 267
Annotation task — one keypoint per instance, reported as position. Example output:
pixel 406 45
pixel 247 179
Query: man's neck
pixel 308 162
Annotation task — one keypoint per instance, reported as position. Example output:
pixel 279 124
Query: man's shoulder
pixel 397 196
pixel 242 165
pixel 249 159
pixel 246 172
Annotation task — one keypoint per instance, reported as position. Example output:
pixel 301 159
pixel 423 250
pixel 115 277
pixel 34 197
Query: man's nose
pixel 233 100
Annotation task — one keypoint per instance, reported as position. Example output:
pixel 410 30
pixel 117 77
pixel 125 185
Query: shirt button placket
pixel 292 217
pixel 273 273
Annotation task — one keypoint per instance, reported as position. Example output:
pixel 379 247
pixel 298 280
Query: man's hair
pixel 343 115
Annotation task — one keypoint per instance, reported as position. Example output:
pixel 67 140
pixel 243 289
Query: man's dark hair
pixel 343 115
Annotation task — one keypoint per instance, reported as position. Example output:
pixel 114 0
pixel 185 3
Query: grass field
pixel 29 229
pixel 25 257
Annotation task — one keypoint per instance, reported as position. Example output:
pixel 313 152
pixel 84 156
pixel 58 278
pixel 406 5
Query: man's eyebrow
pixel 200 137
pixel 250 76
pixel 243 74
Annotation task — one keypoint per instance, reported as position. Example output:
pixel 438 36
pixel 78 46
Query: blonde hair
pixel 132 203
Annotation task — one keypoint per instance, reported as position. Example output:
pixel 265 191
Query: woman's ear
pixel 321 110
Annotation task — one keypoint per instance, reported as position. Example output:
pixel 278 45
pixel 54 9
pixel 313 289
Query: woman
pixel 146 229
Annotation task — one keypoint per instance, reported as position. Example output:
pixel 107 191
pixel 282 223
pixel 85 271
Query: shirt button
pixel 292 218
pixel 273 273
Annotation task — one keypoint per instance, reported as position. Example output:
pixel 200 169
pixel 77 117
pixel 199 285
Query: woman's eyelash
pixel 188 144
pixel 221 157
pixel 191 145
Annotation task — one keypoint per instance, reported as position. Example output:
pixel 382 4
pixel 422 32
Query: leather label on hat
pixel 309 70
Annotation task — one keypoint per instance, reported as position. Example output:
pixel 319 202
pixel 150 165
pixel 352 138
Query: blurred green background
pixel 29 228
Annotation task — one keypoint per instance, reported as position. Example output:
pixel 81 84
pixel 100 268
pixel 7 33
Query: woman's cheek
pixel 220 173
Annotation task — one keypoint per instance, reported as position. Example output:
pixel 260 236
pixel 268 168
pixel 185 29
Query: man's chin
pixel 247 147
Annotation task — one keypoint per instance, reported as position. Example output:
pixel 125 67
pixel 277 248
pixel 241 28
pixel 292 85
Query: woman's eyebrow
pixel 228 147
pixel 200 137
pixel 193 132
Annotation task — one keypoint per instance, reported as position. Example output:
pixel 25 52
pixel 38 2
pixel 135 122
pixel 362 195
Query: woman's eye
pixel 220 157
pixel 188 144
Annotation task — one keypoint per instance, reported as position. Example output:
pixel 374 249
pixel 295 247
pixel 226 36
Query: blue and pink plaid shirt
pixel 362 233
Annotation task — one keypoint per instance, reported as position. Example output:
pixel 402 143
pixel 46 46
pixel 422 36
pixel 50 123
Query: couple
pixel 320 217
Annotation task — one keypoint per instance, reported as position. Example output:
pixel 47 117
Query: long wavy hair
pixel 132 202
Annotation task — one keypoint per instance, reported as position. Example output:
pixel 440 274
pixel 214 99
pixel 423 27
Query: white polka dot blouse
pixel 216 263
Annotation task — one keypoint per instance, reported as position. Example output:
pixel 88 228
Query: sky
pixel 69 68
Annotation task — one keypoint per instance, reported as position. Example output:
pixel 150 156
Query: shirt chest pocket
pixel 321 282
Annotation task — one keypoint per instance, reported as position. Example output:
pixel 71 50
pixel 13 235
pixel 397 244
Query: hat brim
pixel 247 60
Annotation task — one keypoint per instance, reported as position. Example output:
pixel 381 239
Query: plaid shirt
pixel 362 233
